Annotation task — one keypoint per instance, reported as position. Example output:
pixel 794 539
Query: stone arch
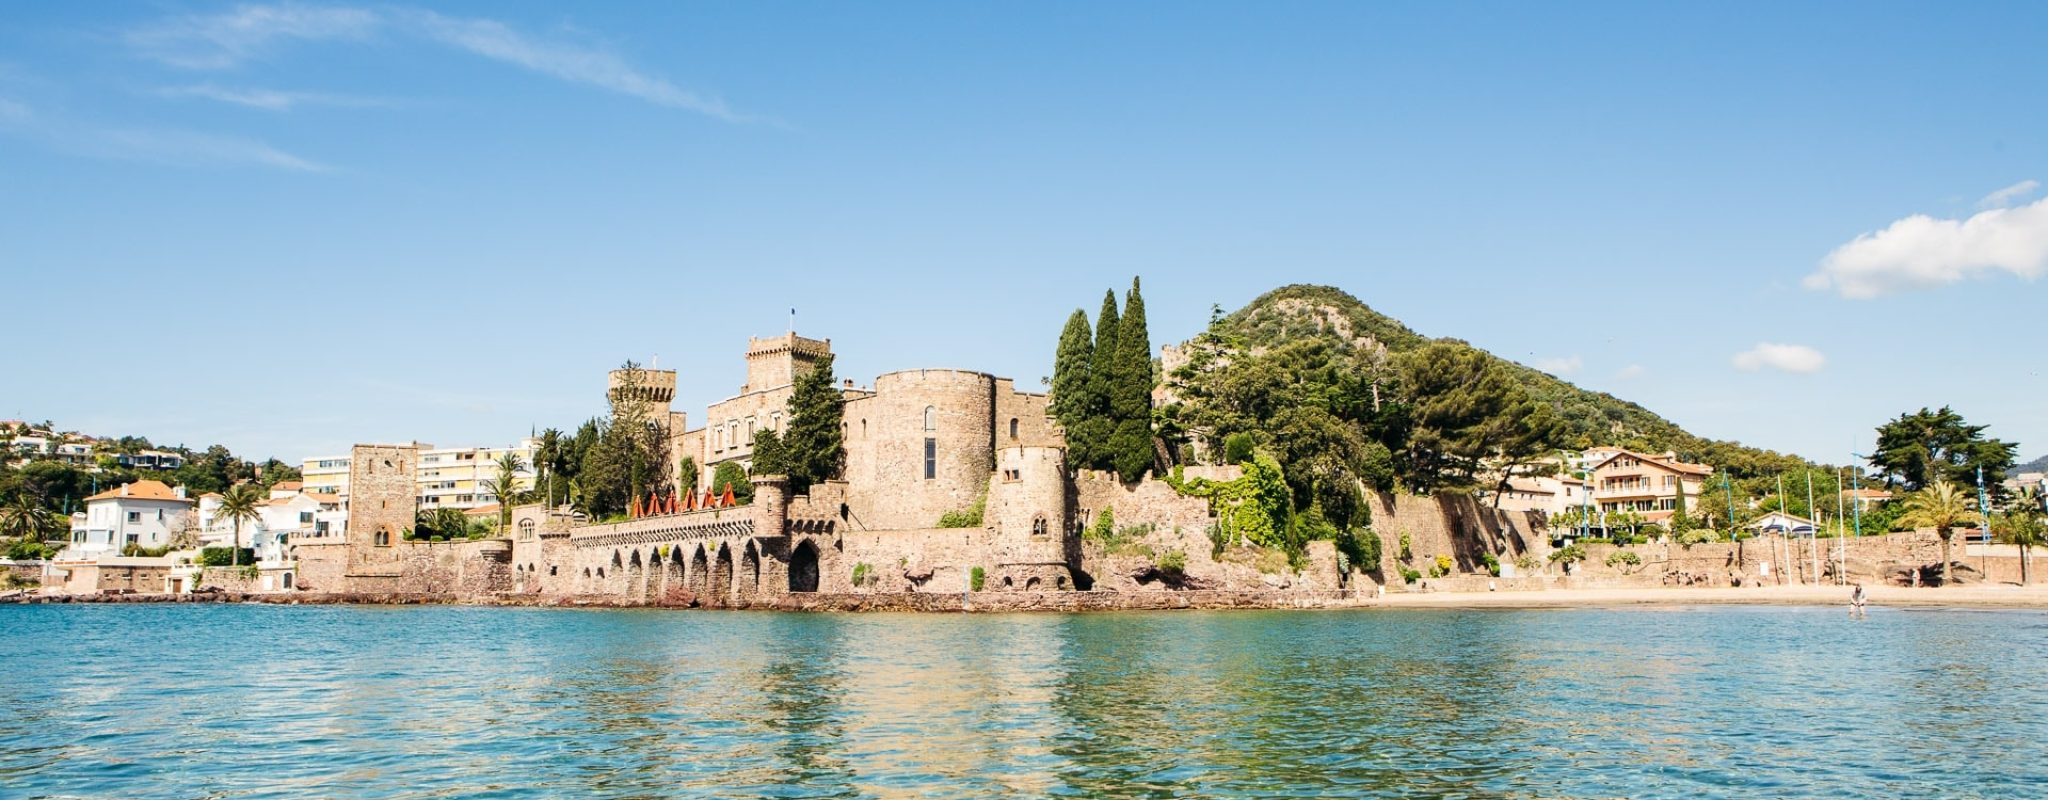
pixel 721 572
pixel 750 570
pixel 672 575
pixel 636 577
pixel 1030 584
pixel 700 571
pixel 803 567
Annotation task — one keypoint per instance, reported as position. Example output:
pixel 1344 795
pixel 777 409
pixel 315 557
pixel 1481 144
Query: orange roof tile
pixel 144 489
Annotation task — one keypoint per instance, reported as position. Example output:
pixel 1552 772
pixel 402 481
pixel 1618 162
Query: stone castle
pixel 919 444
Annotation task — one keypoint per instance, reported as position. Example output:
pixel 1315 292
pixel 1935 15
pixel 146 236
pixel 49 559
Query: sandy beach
pixel 2001 596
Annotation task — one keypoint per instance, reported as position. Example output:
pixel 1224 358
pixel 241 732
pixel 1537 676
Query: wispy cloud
pixel 268 99
pixel 1631 372
pixel 162 146
pixel 1921 252
pixel 219 41
pixel 1565 365
pixel 1794 358
pixel 2005 196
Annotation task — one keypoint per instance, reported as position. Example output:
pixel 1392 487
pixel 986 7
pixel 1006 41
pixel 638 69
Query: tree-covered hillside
pixel 1364 340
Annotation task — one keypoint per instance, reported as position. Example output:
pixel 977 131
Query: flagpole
pixel 1841 554
pixel 1813 551
pixel 1781 529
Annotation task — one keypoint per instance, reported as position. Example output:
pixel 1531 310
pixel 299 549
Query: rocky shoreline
pixel 981 602
pixel 1072 602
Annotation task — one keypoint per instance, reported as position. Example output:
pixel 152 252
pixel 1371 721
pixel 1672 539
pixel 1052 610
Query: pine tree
pixel 1131 393
pixel 1070 369
pixel 814 445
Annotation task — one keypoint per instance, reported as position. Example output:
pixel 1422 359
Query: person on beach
pixel 1856 601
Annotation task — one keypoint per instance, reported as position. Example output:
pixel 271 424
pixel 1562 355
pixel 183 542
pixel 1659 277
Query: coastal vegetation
pixel 1943 507
pixel 1102 388
pixel 812 447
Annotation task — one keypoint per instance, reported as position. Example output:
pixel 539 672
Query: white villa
pixel 145 513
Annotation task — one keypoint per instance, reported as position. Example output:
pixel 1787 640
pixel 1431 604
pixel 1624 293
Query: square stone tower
pixel 775 362
pixel 382 499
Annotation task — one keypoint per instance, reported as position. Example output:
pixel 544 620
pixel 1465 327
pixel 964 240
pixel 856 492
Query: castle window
pixel 1013 427
pixel 1038 527
pixel 931 458
pixel 750 431
pixel 931 418
pixel 382 539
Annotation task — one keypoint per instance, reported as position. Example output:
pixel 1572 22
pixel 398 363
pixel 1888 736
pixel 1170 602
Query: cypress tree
pixel 1088 441
pixel 1131 395
pixel 814 445
pixel 1070 369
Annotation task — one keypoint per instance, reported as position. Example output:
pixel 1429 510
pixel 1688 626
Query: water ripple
pixel 288 702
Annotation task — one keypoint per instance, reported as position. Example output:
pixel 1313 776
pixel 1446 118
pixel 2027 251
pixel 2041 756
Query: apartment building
pixel 447 477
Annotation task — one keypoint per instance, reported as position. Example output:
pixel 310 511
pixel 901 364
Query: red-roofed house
pixel 1646 484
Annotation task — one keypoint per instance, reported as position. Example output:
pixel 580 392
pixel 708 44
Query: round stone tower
pixel 932 445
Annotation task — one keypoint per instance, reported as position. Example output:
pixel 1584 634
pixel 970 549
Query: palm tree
pixel 506 486
pixel 2025 526
pixel 547 455
pixel 1940 506
pixel 25 519
pixel 237 504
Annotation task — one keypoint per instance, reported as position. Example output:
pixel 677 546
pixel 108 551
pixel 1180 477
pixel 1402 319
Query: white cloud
pixel 225 40
pixel 2005 196
pixel 1631 372
pixel 1560 366
pixel 267 99
pixel 1796 358
pixel 176 147
pixel 494 40
pixel 1921 252
pixel 218 41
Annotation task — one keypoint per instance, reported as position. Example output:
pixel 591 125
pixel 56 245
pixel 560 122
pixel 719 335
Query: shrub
pixel 1409 575
pixel 861 573
pixel 1692 536
pixel 30 550
pixel 1440 567
pixel 1492 563
pixel 975 578
pixel 1624 560
pixel 1173 563
pixel 970 518
pixel 1567 555
pixel 1406 554
pixel 1361 546
pixel 1526 563
pixel 1104 527
pixel 1237 448
pixel 222 557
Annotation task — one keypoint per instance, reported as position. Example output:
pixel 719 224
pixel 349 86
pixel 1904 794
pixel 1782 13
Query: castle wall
pixel 886 457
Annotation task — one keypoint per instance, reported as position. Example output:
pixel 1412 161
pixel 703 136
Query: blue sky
pixel 291 227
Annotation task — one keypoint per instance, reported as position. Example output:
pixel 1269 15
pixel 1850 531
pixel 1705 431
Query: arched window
pixel 526 528
pixel 1013 427
pixel 382 539
pixel 931 418
pixel 1038 526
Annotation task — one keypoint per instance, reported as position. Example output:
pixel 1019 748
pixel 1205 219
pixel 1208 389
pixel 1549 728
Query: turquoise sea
pixel 260 701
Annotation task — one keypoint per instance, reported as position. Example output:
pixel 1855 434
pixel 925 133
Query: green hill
pixel 1301 312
